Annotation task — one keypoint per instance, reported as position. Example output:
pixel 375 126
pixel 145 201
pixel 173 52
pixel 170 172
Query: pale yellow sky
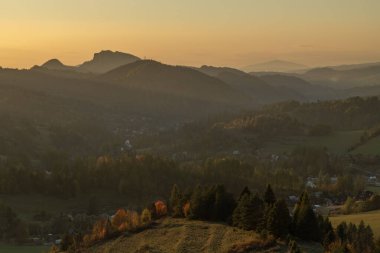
pixel 194 32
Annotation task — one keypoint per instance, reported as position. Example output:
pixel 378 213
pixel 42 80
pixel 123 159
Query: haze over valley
pixel 201 126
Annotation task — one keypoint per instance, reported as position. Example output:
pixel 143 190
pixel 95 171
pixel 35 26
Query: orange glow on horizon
pixel 213 32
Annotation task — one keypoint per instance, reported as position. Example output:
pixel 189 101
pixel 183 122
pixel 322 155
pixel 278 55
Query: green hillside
pixel 372 147
pixel 338 142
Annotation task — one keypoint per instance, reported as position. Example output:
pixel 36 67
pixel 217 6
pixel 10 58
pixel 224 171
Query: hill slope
pixel 357 77
pixel 73 102
pixel 181 236
pixel 154 76
pixel 254 87
pixel 308 90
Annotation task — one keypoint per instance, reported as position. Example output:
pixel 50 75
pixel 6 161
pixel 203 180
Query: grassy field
pixel 375 189
pixel 337 142
pixel 370 218
pixel 23 249
pixel 182 236
pixel 370 148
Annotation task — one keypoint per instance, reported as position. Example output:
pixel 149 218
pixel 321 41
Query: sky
pixel 191 32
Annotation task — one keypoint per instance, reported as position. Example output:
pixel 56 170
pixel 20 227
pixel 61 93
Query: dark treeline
pixel 144 177
pixel 262 213
pixel 269 216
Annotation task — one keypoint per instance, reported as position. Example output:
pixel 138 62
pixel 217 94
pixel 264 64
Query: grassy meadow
pixel 370 218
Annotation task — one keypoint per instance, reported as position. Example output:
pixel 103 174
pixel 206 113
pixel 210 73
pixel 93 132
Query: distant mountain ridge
pixel 107 60
pixel 55 64
pixel 272 81
pixel 255 87
pixel 101 62
pixel 345 78
pixel 275 66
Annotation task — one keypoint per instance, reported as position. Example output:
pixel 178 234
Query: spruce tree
pixel 244 197
pixel 237 213
pixel 305 221
pixel 279 220
pixel 197 205
pixel 341 232
pixel 249 213
pixel 363 239
pixel 370 239
pixel 175 202
pixel 269 196
pixel 243 192
pixel 351 232
pixel 327 232
pixel 224 204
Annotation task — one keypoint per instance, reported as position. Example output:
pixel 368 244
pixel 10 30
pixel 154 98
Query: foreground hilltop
pixel 181 235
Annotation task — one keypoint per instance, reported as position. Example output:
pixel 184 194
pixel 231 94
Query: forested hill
pixel 351 113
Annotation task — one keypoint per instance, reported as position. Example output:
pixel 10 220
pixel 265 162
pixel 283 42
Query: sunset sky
pixel 194 32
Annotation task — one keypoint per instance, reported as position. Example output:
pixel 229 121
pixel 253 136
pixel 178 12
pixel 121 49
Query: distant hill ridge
pixel 55 64
pixel 101 62
pixel 107 60
pixel 155 76
pixel 275 66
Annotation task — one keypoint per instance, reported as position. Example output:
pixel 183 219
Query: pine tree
pixel 327 231
pixel 370 239
pixel 197 204
pixel 363 239
pixel 269 196
pixel 175 202
pixel 279 220
pixel 243 192
pixel 237 213
pixel 341 232
pixel 305 222
pixel 249 212
pixel 224 204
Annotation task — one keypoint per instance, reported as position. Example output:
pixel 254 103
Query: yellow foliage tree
pixel 146 217
pixel 118 220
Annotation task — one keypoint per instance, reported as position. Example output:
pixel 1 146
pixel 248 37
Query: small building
pixel 372 180
pixel 310 184
pixel 333 180
pixel 127 145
